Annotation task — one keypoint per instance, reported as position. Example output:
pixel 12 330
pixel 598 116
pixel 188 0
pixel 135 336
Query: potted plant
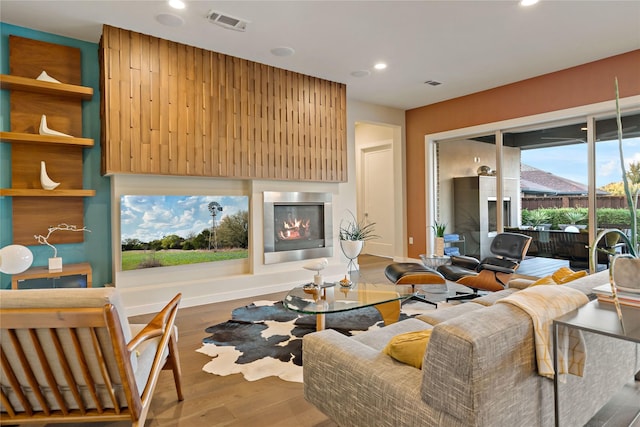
pixel 439 229
pixel 353 234
pixel 573 217
pixel 537 218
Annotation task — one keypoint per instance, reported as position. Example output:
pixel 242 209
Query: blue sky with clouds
pixel 570 161
pixel 148 218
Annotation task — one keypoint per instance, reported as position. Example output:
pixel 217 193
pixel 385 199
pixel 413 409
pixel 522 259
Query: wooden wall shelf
pixel 26 84
pixel 29 192
pixel 32 138
pixel 34 210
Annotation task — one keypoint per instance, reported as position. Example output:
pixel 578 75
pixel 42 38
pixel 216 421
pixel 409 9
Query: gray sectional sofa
pixel 479 370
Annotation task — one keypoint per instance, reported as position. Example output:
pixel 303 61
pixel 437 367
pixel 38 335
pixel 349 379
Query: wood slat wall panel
pixel 174 109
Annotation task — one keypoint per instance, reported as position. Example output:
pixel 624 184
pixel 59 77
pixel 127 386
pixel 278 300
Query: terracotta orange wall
pixel 582 85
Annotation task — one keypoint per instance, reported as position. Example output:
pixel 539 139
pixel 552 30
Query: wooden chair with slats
pixel 70 355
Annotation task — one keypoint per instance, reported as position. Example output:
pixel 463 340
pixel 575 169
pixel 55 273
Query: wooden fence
pixel 536 202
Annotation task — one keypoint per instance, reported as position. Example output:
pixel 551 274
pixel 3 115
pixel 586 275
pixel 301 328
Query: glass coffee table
pixel 333 298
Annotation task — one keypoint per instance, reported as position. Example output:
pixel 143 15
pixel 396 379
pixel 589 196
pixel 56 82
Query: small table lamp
pixel 15 259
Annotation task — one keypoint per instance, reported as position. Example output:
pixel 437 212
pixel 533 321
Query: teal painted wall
pixel 96 249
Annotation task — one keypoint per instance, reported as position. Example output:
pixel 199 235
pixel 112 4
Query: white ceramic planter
pixel 351 248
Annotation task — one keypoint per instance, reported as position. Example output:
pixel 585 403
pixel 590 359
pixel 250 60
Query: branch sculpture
pixel 44 240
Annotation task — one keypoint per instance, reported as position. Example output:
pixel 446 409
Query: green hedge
pixel 556 216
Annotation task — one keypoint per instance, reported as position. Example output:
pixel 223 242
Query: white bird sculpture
pixel 46 182
pixel 44 129
pixel 44 77
pixel 316 265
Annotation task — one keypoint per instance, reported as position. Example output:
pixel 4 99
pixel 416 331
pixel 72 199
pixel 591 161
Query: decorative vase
pixel 439 249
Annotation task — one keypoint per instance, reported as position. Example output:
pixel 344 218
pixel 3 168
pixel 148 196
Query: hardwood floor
pixel 212 400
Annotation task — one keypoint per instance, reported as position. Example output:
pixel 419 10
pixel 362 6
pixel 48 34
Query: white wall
pixel 145 291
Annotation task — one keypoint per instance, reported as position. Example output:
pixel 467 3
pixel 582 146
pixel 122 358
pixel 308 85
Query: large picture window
pixel 159 231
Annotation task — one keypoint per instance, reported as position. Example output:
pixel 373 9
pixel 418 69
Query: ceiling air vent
pixel 227 21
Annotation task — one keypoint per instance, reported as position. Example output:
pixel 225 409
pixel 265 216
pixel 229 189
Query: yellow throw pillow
pixel 565 275
pixel 560 277
pixel 409 347
pixel 546 280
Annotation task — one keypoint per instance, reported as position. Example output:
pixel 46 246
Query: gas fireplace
pixel 297 226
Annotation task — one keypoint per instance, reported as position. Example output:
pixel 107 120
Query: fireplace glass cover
pixel 298 227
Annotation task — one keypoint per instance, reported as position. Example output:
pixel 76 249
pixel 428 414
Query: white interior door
pixel 377 200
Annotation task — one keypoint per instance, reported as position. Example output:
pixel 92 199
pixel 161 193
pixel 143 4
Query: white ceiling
pixel 469 46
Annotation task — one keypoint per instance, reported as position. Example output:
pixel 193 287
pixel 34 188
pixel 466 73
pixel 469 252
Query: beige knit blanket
pixel 543 304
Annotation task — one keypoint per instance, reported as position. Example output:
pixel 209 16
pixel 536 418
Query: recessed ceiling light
pixel 380 66
pixel 177 4
pixel 528 2
pixel 170 20
pixel 361 73
pixel 282 51
pixel 432 83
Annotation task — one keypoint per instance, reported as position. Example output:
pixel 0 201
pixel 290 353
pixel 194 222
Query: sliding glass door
pixel 562 175
pixel 610 197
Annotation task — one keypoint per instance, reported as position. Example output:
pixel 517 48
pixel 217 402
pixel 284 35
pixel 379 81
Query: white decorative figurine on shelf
pixel 44 77
pixel 46 182
pixel 55 263
pixel 317 266
pixel 44 129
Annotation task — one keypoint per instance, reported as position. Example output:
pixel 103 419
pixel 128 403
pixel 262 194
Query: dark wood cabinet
pixel 475 210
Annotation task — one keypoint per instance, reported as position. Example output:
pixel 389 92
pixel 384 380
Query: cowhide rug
pixel 265 339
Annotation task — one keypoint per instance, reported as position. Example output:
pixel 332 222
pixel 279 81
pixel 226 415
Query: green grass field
pixel 133 260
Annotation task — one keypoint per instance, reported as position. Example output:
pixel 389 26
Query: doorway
pixel 376 186
pixel 377 191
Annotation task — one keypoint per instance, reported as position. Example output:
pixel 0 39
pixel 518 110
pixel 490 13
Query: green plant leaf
pixel 356 230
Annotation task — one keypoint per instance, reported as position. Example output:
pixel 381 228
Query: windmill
pixel 214 208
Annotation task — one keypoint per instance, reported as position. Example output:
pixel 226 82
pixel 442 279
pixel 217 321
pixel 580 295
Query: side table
pixel 81 269
pixel 599 318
